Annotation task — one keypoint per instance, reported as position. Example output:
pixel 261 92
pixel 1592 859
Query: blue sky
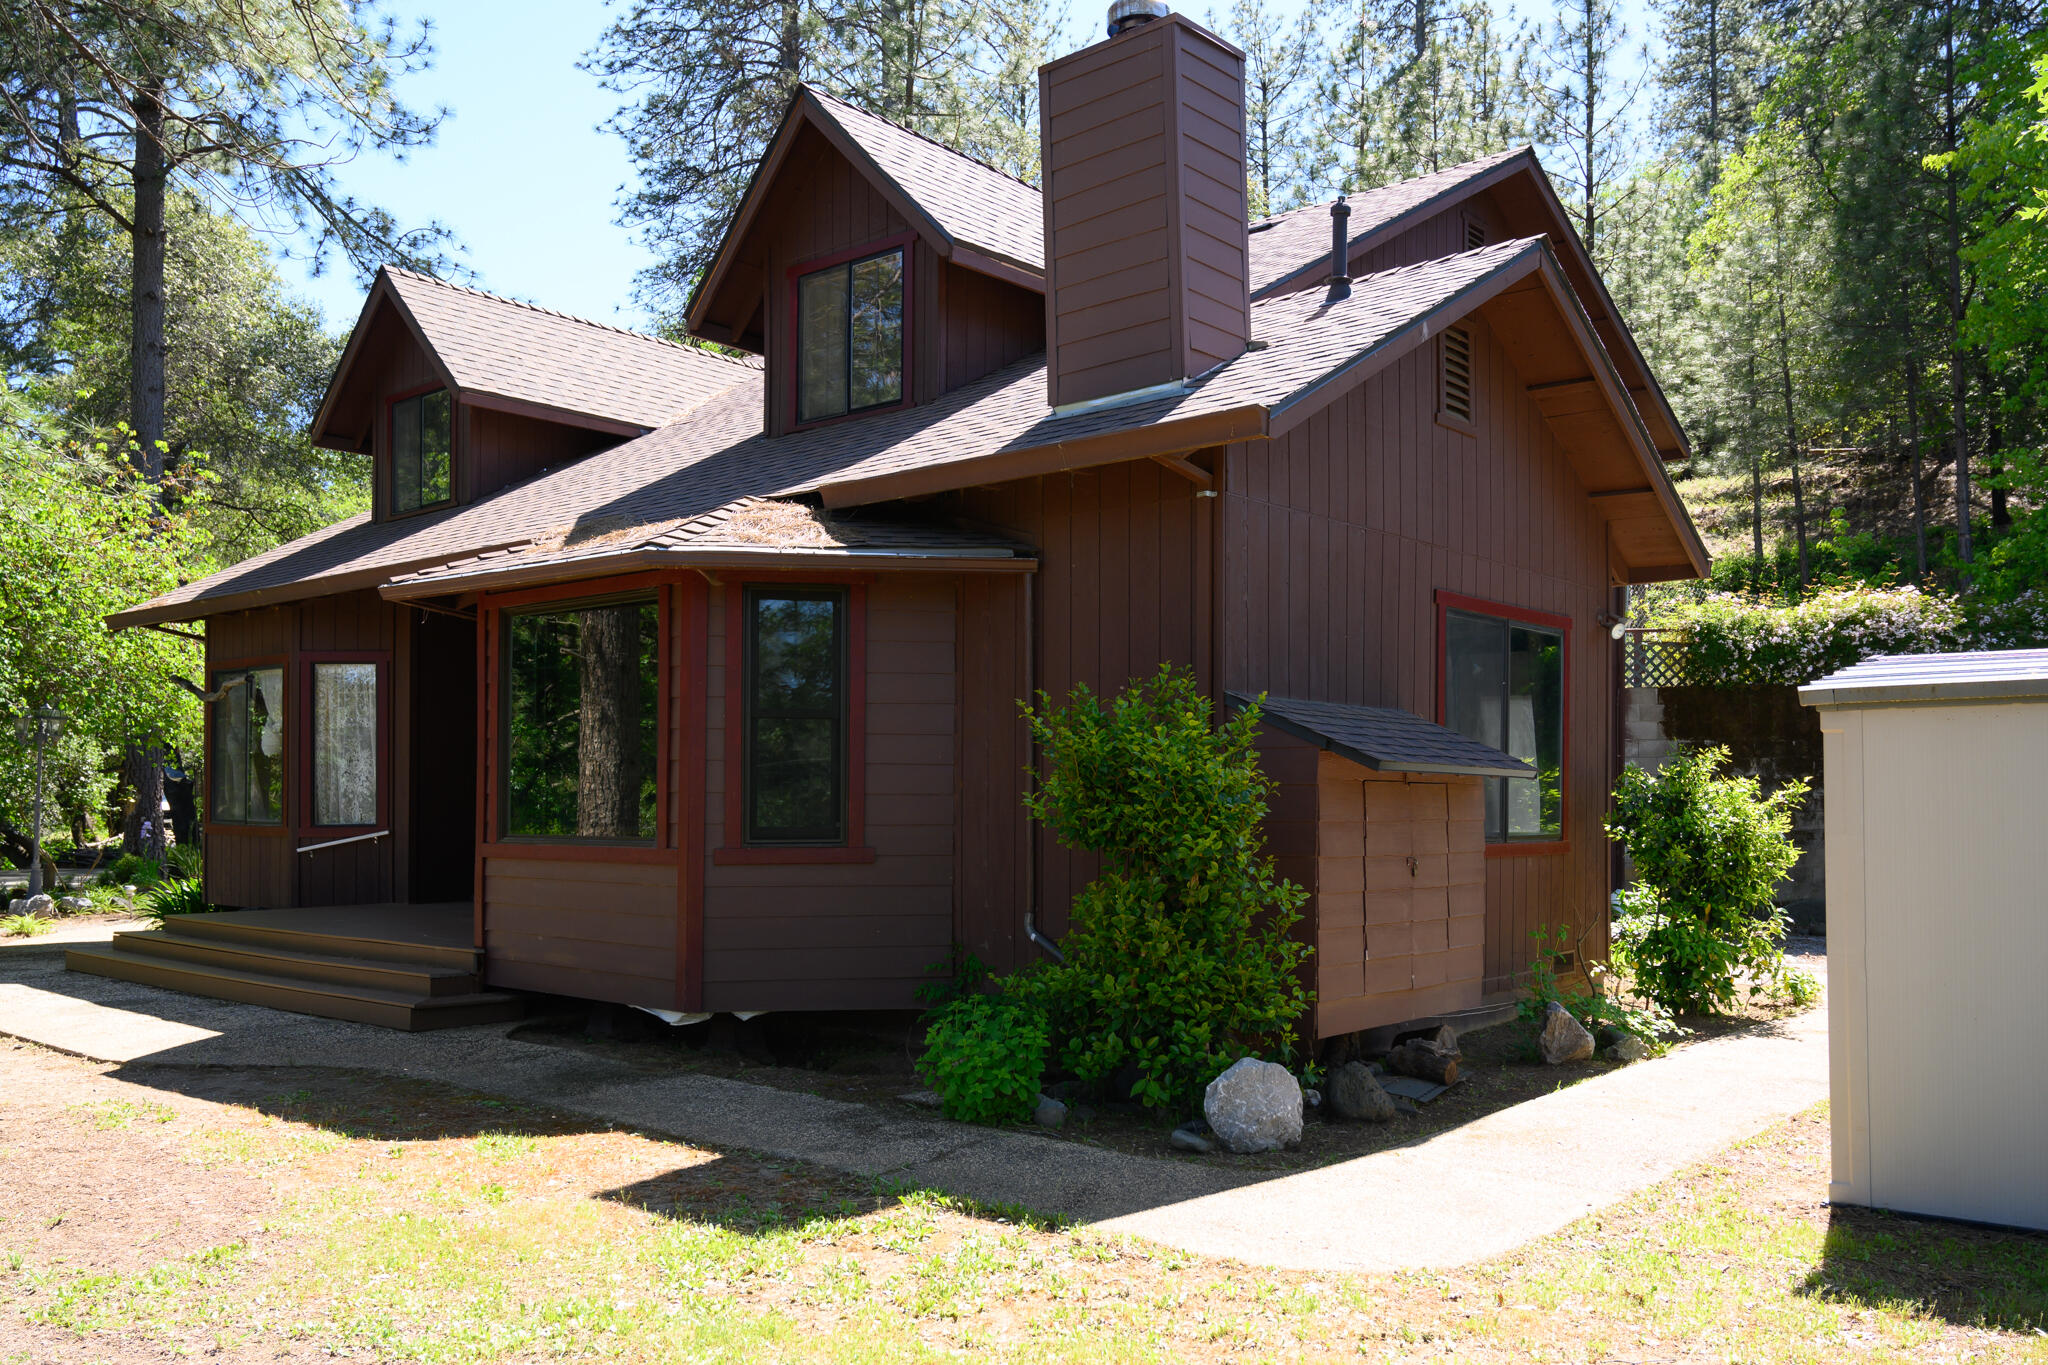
pixel 520 170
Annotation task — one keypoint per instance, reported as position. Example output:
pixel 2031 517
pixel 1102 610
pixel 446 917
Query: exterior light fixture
pixel 39 727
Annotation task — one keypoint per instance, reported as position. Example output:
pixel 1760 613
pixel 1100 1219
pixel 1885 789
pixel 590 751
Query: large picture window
pixel 795 715
pixel 345 743
pixel 421 472
pixel 1504 686
pixel 581 696
pixel 850 337
pixel 247 758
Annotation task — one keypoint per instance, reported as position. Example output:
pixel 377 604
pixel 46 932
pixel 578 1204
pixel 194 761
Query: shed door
pixel 1407 885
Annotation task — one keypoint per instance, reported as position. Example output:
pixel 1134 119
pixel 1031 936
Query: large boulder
pixel 39 904
pixel 1354 1093
pixel 1254 1106
pixel 1564 1039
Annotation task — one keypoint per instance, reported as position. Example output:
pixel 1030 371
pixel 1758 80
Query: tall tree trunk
pixel 1713 92
pixel 1592 96
pixel 1958 380
pixel 609 758
pixel 1919 475
pixel 1792 439
pixel 1756 477
pixel 142 829
pixel 146 363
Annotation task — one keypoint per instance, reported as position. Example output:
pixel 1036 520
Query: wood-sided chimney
pixel 1146 274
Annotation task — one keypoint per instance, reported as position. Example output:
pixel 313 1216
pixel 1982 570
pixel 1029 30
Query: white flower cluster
pixel 1729 639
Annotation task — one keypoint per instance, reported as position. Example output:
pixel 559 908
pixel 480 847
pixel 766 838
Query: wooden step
pixel 361 1004
pixel 404 978
pixel 236 929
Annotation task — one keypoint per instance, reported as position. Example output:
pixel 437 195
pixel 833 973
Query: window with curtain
pixel 421 471
pixel 246 785
pixel 1504 686
pixel 581 699
pixel 795 737
pixel 850 337
pixel 344 712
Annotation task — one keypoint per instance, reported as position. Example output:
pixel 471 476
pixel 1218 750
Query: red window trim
pixel 384 481
pixel 736 851
pixel 1447 602
pixel 302 734
pixel 905 240
pixel 491 806
pixel 283 825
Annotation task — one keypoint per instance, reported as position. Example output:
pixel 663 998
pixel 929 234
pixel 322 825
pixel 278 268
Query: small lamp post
pixel 39 727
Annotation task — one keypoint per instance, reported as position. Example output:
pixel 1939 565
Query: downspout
pixel 1031 767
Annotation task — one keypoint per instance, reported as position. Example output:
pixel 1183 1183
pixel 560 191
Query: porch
pixel 400 966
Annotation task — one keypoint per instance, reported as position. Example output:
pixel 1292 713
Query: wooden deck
pixel 399 966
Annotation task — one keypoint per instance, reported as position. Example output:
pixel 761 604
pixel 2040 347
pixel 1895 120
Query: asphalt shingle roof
pixel 500 346
pixel 1384 739
pixel 1299 240
pixel 975 203
pixel 716 455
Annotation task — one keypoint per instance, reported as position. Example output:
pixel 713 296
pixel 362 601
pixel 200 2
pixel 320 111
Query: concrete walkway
pixel 1473 1193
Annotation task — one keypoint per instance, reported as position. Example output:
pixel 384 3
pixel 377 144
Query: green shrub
pixel 1590 1004
pixel 23 926
pixel 1179 956
pixel 985 1056
pixel 183 861
pixel 175 898
pixel 1709 852
pixel 133 868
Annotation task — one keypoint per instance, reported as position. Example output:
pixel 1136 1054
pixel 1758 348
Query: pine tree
pixel 1591 103
pixel 1278 72
pixel 1711 76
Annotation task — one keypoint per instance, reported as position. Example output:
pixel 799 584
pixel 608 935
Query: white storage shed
pixel 1936 780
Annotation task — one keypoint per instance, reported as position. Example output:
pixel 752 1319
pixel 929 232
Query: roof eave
pixel 723 557
pixel 1310 735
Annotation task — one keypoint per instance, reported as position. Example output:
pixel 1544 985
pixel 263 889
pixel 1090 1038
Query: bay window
pixel 581 688
pixel 795 715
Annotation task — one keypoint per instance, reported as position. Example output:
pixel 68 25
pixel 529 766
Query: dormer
pixel 455 393
pixel 872 269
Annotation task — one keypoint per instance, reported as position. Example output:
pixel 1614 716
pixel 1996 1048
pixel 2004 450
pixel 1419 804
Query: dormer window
pixel 421 471
pixel 849 336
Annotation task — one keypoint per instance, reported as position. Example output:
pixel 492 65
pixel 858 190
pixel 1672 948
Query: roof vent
pixel 1125 14
pixel 1340 250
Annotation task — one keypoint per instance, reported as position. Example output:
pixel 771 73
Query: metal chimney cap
pixel 1125 14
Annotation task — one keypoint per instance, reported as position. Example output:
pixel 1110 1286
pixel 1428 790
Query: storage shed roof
pixel 1905 679
pixel 1384 739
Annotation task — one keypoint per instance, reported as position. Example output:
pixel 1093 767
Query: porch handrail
pixel 337 843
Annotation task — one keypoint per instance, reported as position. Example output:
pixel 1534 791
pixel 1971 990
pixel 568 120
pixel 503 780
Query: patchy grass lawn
pixel 301 1214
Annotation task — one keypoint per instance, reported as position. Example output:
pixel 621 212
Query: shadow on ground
pixel 1970 1276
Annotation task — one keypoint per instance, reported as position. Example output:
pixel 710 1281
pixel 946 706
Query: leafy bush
pixel 134 869
pixel 1709 852
pixel 23 926
pixel 985 1056
pixel 183 861
pixel 1591 1005
pixel 1179 957
pixel 960 974
pixel 175 898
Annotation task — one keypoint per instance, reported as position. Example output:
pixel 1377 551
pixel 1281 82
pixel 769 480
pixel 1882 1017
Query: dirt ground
pixel 148 1176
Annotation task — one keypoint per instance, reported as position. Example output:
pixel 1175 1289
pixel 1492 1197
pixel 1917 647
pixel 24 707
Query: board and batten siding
pixel 259 865
pixel 588 928
pixel 849 935
pixel 1122 587
pixel 1340 534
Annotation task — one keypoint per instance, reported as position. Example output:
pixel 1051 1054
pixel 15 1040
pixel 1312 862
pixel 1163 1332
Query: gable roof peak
pixel 825 97
pixel 420 276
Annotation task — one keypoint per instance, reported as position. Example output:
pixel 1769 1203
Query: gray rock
pixel 1050 1112
pixel 74 905
pixel 14 907
pixel 1564 1039
pixel 1626 1047
pixel 1311 1099
pixel 40 904
pixel 1355 1094
pixel 1189 1141
pixel 924 1099
pixel 1254 1106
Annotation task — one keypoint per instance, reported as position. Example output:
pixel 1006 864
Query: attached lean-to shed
pixel 1937 867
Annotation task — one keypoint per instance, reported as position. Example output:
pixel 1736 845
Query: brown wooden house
pixel 690 682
